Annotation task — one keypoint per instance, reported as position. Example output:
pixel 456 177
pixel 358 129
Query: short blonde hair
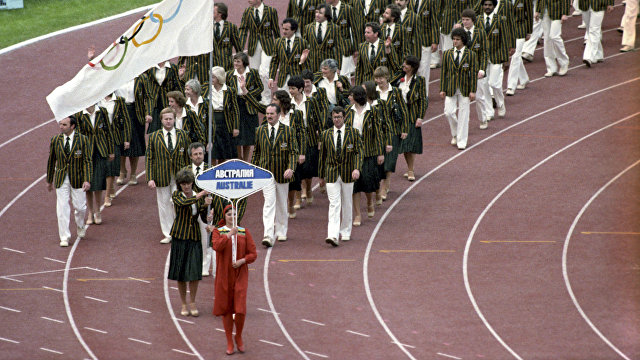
pixel 381 71
pixel 167 110
pixel 218 73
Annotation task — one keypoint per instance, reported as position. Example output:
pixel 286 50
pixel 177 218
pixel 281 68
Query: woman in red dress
pixel 232 278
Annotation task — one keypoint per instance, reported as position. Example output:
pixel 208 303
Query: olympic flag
pixel 173 28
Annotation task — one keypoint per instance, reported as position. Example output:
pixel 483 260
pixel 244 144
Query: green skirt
pixel 413 142
pixel 185 263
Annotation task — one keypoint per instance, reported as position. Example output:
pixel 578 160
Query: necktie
pixel 272 137
pixel 197 170
pixel 300 5
pixel 319 34
pixel 488 24
pixel 334 14
pixel 257 15
pixel 170 143
pixel 339 144
pixel 217 30
pixel 388 31
pixel 373 52
pixel 457 60
pixel 67 147
pixel 468 36
pixel 289 47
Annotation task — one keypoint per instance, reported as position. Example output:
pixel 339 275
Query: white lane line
pixel 50 319
pixel 144 281
pixel 58 261
pixel 24 132
pixel 136 309
pixel 265 310
pixel 187 321
pixel 365 262
pixel 95 299
pixel 565 251
pixel 465 258
pixel 316 354
pixel 270 343
pixel 218 329
pixel 98 270
pixel 8 278
pixel 405 345
pixel 52 351
pixel 140 341
pixel 313 322
pixel 183 352
pixel 174 288
pixel 13 201
pixel 50 288
pixel 265 280
pixel 41 272
pixel 96 330
pixel 9 309
pixel 9 340
pixel 14 250
pixel 357 333
pixel 449 356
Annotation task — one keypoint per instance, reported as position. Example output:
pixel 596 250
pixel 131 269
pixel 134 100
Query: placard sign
pixel 234 179
pixel 11 4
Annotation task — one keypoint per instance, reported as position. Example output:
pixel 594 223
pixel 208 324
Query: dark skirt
pixel 296 183
pixel 224 146
pixel 99 175
pixel 309 169
pixel 413 142
pixel 248 125
pixel 185 263
pixel 156 123
pixel 369 180
pixel 137 145
pixel 113 167
pixel 391 158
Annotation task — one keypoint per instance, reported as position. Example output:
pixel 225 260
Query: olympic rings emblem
pixel 107 67
pixel 160 19
pixel 169 18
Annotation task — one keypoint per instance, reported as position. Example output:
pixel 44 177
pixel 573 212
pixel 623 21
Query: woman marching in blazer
pixel 225 116
pixel 120 130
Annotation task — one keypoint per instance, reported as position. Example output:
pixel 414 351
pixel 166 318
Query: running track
pixel 523 246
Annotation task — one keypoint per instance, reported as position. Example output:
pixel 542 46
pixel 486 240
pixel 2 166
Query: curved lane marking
pixel 365 268
pixel 565 250
pixel 488 207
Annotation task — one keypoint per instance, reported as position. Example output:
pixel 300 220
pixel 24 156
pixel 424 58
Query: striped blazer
pixel 218 204
pixel 450 13
pixel 203 116
pixel 332 164
pixel 304 15
pixel 287 64
pixel 373 137
pixel 157 94
pixel 394 114
pixel 479 45
pixel 160 164
pixel 499 35
pixel 77 164
pixel 319 95
pixel 417 100
pixel 185 225
pixel 429 22
pixel 142 102
pixel 365 66
pixel 522 11
pixel 196 67
pixel 222 46
pixel 348 22
pixel 412 39
pixel 314 119
pixel 376 9
pixel 342 97
pixel 596 5
pixel 193 126
pixel 265 31
pixel 191 167
pixel 254 89
pixel 327 49
pixel 399 45
pixel 276 157
pixel 556 8
pixel 463 76
pixel 231 110
pixel 99 134
pixel 120 126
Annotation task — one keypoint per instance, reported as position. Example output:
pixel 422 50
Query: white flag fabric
pixel 173 28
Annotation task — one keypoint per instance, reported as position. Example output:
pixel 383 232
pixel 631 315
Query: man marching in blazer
pixel 339 166
pixel 289 57
pixel 592 15
pixel 303 12
pixel 522 26
pixel 323 38
pixel 372 53
pixel 553 13
pixel 167 153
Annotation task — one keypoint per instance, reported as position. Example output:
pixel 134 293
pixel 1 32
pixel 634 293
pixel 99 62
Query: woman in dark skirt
pixel 372 99
pixel 185 263
pixel 363 117
pixel 132 92
pixel 225 116
pixel 247 84
pixel 415 95
pixel 120 129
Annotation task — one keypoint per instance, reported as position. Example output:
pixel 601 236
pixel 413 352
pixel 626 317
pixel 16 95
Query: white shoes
pixel 64 243
pixel 166 240
pixel 549 74
pixel 528 57
pixel 332 241
pixel 577 13
pixel 81 231
pixel 582 26
pixel 522 86
pixel 205 273
pixel 282 238
pixel 502 110
pixel 510 92
pixel 454 141
pixel 563 70
pixel 484 125
pixel 266 241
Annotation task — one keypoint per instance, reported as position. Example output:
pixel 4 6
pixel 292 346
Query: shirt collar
pixel 246 71
pixel 335 129
pixel 166 65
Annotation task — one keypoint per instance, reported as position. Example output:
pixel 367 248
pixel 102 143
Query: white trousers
pixel 425 61
pixel 340 196
pixel 275 216
pixel 629 23
pixel 79 201
pixel 261 62
pixel 593 50
pixel 495 75
pixel 553 44
pixel 348 66
pixel 517 71
pixel 531 44
pixel 459 123
pixel 484 105
pixel 166 213
pixel 208 255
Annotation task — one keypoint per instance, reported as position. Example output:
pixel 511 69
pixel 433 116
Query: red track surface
pixel 466 263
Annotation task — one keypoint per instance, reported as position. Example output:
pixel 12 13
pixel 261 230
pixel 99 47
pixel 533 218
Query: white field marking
pixel 405 345
pixel 9 340
pixel 96 330
pixel 40 272
pixel 9 309
pixel 183 352
pixel 50 288
pixel 136 309
pixel 365 262
pixel 218 329
pixel 565 251
pixel 25 132
pixel 187 321
pixel 313 322
pixel 53 351
pixel 140 341
pixel 357 333
pixel 58 261
pixel 174 288
pixel 449 356
pixel 167 301
pixel 50 319
pixel 98 270
pixel 8 278
pixel 73 28
pixel 13 201
pixel 144 281
pixel 316 354
pixel 488 207
pixel 270 343
pixel 96 299
pixel 265 280
pixel 14 250
pixel 265 310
